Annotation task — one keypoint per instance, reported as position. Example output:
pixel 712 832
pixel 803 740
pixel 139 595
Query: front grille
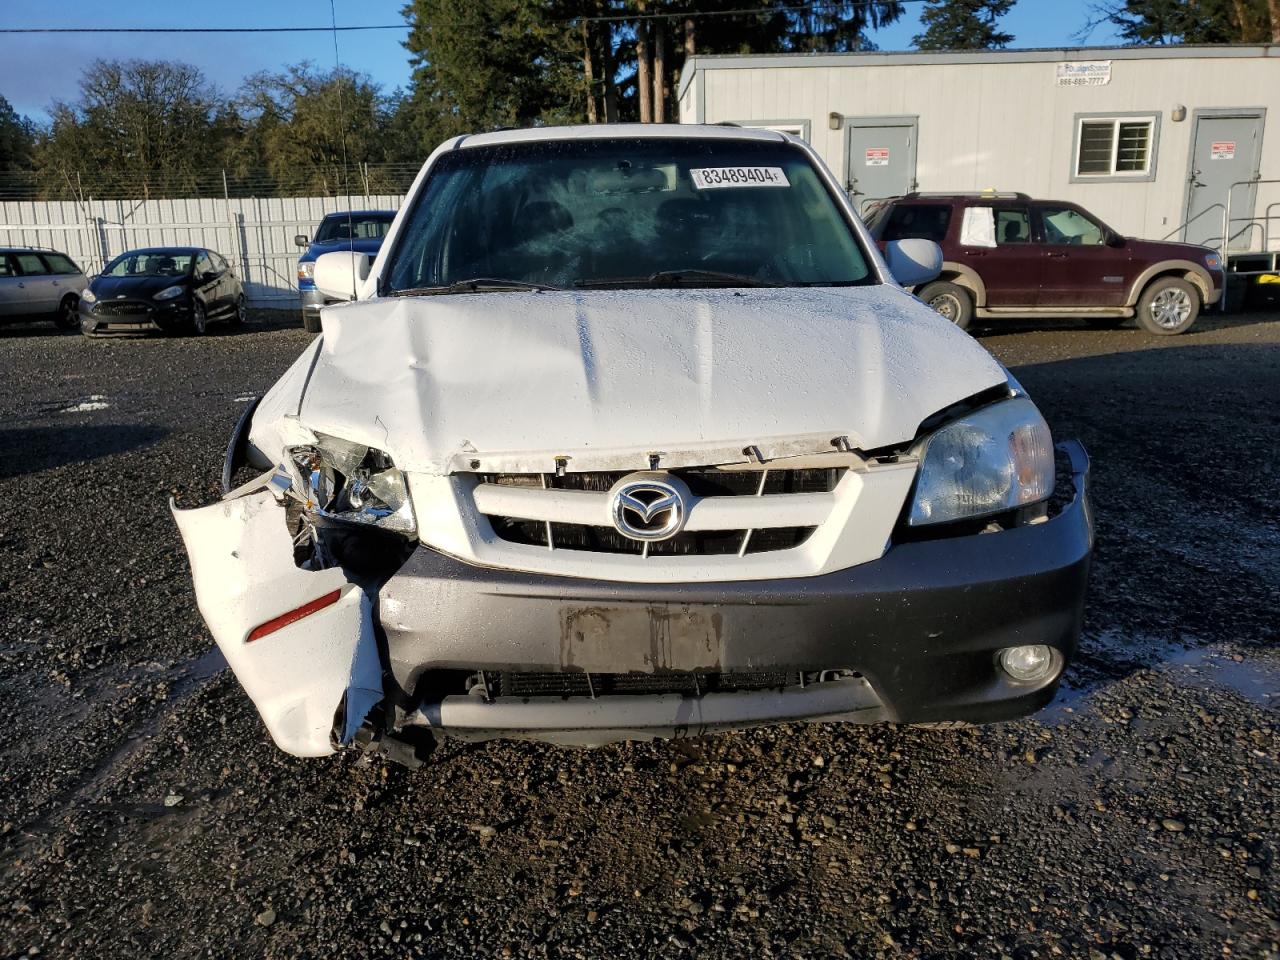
pixel 702 482
pixel 122 308
pixel 709 543
pixel 690 684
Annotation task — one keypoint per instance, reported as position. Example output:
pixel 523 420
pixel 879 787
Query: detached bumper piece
pixel 913 637
pixel 300 642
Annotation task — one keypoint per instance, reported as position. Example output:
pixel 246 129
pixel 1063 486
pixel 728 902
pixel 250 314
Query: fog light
pixel 1032 662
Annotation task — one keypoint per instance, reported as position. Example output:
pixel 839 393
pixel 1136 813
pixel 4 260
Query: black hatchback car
pixel 164 289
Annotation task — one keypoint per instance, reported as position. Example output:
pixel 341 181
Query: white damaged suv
pixel 630 432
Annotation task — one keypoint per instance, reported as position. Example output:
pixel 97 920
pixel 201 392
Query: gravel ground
pixel 143 811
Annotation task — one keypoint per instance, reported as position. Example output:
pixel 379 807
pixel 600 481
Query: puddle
pixel 1257 680
pixel 1251 677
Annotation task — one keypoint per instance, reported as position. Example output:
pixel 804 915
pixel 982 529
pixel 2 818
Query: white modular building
pixel 1155 140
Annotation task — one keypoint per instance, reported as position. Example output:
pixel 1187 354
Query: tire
pixel 199 319
pixel 1168 306
pixel 949 300
pixel 311 323
pixel 237 315
pixel 68 316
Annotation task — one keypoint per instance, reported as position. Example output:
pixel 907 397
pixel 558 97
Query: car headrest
pixel 545 216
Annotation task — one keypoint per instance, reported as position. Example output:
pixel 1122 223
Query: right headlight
pixel 340 480
pixel 307 270
pixel 990 461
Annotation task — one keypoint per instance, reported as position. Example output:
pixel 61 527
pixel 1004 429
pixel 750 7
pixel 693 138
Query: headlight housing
pixel 341 480
pixel 88 296
pixel 307 270
pixel 168 293
pixel 996 459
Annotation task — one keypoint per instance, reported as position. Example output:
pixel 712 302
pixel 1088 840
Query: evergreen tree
pixel 963 25
pixel 17 138
pixel 1189 21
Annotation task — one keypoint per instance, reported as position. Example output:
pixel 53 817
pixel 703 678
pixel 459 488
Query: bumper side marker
pixel 293 616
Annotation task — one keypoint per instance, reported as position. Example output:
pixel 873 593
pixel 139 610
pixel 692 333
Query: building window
pixel 1115 146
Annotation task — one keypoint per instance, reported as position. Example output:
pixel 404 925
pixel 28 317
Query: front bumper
pixel 312 301
pixel 911 637
pixel 922 626
pixel 143 317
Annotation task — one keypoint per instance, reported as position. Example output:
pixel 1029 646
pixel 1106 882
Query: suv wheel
pixel 1168 306
pixel 949 300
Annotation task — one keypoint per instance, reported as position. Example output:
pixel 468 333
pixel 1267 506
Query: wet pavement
pixel 143 811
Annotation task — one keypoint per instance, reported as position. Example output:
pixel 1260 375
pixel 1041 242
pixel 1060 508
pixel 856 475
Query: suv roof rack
pixel 1016 195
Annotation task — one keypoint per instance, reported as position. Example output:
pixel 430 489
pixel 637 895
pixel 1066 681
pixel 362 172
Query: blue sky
pixel 37 69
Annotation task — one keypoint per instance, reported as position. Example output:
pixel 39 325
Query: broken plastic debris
pixel 96 401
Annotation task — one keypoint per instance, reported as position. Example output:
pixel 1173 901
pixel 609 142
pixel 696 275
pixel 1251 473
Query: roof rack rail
pixel 1003 194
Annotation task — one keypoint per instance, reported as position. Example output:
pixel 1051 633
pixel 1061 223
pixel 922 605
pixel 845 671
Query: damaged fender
pixel 300 674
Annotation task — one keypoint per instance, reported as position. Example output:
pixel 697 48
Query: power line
pixel 374 26
pixel 816 7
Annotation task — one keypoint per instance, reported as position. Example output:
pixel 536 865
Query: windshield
pixel 626 213
pixel 357 226
pixel 153 263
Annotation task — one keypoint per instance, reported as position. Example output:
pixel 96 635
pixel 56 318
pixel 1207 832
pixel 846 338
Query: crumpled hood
pixel 513 380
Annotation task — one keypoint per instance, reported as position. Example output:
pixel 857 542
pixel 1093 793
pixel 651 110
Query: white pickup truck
pixel 630 432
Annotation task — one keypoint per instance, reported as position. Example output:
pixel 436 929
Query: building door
pixel 1226 147
pixel 880 158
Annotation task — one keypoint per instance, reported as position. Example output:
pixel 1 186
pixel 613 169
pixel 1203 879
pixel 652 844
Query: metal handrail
pixel 1226 219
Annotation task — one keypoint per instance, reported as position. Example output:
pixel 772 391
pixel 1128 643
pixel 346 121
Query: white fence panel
pixel 255 234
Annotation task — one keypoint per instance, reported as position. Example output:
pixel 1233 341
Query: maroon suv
pixel 1006 255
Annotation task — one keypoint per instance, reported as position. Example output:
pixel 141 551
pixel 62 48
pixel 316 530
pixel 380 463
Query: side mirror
pixel 301 240
pixel 913 261
pixel 338 275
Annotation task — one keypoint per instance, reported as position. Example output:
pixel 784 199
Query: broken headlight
pixel 996 459
pixel 340 480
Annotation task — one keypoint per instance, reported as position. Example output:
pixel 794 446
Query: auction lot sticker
pixel 1222 150
pixel 708 178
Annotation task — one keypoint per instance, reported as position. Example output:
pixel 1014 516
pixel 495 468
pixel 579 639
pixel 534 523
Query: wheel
pixel 311 322
pixel 949 300
pixel 68 316
pixel 237 315
pixel 199 319
pixel 1168 306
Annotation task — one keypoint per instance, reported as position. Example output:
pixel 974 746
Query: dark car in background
pixel 1008 255
pixel 358 230
pixel 39 284
pixel 162 289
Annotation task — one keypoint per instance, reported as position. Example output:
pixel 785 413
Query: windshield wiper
pixel 677 278
pixel 475 285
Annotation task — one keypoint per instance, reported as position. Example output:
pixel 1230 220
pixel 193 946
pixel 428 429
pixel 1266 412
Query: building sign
pixel 1093 73
pixel 877 156
pixel 1222 150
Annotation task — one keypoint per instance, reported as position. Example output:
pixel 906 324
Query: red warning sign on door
pixel 877 156
pixel 1221 150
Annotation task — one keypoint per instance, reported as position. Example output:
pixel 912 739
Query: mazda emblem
pixel 649 506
